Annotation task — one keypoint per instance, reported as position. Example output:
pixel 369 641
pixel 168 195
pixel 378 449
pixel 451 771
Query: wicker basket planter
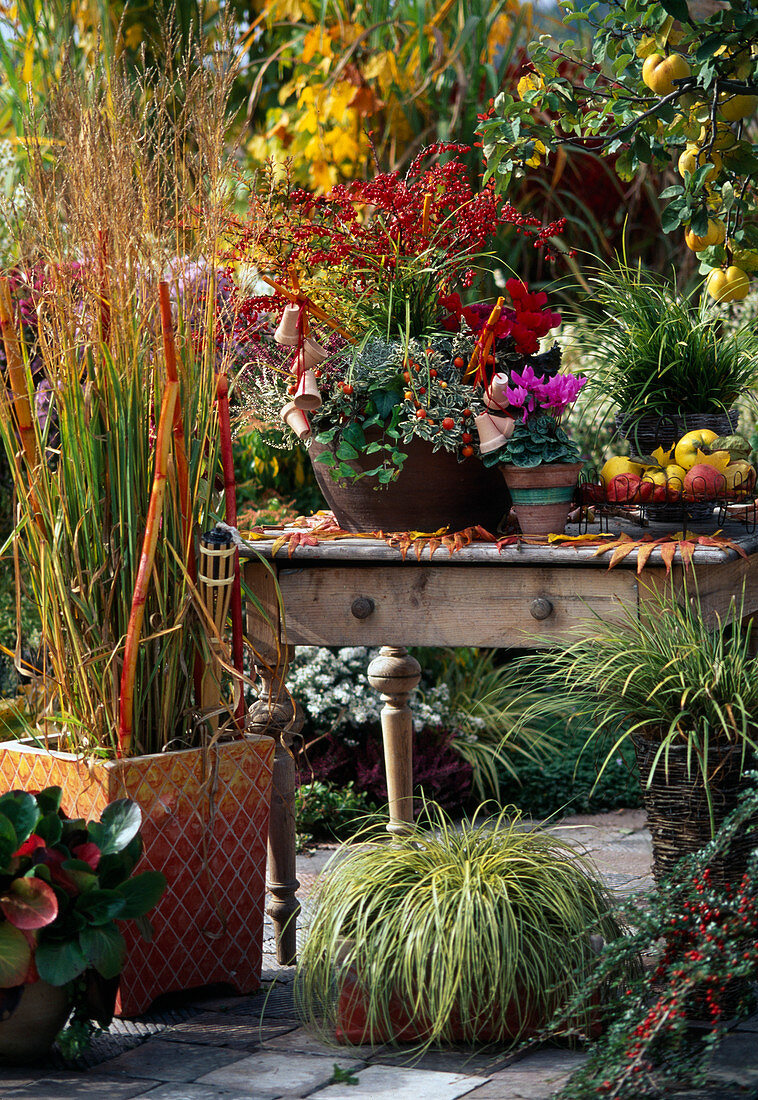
pixel 205 826
pixel 646 433
pixel 677 805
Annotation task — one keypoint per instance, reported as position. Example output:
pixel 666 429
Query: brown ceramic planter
pixel 542 495
pixel 433 490
pixel 30 1019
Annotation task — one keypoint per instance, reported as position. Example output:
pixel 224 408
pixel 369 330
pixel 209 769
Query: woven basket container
pixel 646 433
pixel 677 804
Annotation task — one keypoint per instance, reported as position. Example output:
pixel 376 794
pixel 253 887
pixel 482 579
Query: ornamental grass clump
pixel 660 352
pixel 472 933
pixel 133 198
pixel 669 673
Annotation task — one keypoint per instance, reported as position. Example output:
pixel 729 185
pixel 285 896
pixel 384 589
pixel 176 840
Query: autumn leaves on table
pixel 374 345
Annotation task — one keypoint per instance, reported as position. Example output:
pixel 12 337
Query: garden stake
pixel 300 299
pixel 180 457
pixel 147 558
pixel 230 500
pixel 484 343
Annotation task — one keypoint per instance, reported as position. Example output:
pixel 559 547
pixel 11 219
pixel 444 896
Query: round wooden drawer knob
pixel 362 607
pixel 540 608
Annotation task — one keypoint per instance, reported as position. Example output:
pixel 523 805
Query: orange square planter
pixel 205 825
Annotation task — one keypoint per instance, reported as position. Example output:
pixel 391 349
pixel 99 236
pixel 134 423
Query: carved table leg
pixel 395 674
pixel 277 715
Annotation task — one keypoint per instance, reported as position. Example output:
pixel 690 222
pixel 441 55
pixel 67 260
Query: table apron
pixel 457 605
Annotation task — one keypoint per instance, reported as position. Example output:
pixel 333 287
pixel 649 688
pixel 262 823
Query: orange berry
pixel 467 412
pixel 347 390
pixel 406 376
pixel 422 389
pixel 421 414
pixel 458 362
pixel 291 390
pixel 448 422
pixel 408 395
pixel 467 451
pixel 466 437
pixel 443 385
pixel 432 373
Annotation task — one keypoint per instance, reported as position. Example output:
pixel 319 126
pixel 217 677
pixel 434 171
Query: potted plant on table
pixel 539 462
pixel 389 399
pixel 668 364
pixel 64 885
pixel 449 934
pixel 113 441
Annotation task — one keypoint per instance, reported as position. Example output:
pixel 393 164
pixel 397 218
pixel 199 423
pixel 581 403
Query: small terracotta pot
pixel 288 330
pixel 495 396
pixel 307 396
pixel 493 431
pixel 542 495
pixel 296 419
pixel 310 355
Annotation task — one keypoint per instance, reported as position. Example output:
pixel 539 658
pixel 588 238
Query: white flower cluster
pixel 333 689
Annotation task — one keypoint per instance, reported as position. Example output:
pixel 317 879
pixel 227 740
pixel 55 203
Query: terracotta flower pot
pixel 433 490
pixel 205 826
pixel 542 495
pixel 30 1018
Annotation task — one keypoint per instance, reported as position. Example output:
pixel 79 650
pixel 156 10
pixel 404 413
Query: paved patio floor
pixel 218 1046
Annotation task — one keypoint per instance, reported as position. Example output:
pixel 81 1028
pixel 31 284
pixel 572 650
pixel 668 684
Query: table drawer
pixel 455 605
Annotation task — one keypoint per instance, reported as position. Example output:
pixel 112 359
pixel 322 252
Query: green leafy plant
pixel 325 810
pixel 658 351
pixel 671 673
pixel 449 932
pixel 701 939
pixel 64 884
pixel 538 440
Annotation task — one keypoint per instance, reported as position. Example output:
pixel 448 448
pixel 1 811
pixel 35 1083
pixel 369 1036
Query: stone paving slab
pixel 538 1076
pixel 162 1061
pixel 226 1030
pixel 78 1086
pixel 274 1074
pixel 378 1082
pixel 303 1042
pixel 177 1091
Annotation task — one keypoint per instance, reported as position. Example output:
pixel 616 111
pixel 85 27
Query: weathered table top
pixel 362 591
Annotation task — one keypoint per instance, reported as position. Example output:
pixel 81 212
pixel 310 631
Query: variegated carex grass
pixel 477 931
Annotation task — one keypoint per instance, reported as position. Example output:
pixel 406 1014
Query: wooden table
pixel 362 592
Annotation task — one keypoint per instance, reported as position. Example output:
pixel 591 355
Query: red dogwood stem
pixel 180 457
pixel 230 501
pixel 147 558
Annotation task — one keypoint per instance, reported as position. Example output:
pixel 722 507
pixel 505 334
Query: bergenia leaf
pixel 120 821
pixel 15 956
pixel 29 903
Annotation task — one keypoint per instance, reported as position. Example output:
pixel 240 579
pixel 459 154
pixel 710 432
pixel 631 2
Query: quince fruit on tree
pixel 659 72
pixel 694 157
pixel 735 107
pixel 716 235
pixel 727 286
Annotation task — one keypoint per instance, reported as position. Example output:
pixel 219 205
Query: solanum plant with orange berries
pixel 379 268
pixel 670 83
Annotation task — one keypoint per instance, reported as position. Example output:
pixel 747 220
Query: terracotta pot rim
pixel 26 744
